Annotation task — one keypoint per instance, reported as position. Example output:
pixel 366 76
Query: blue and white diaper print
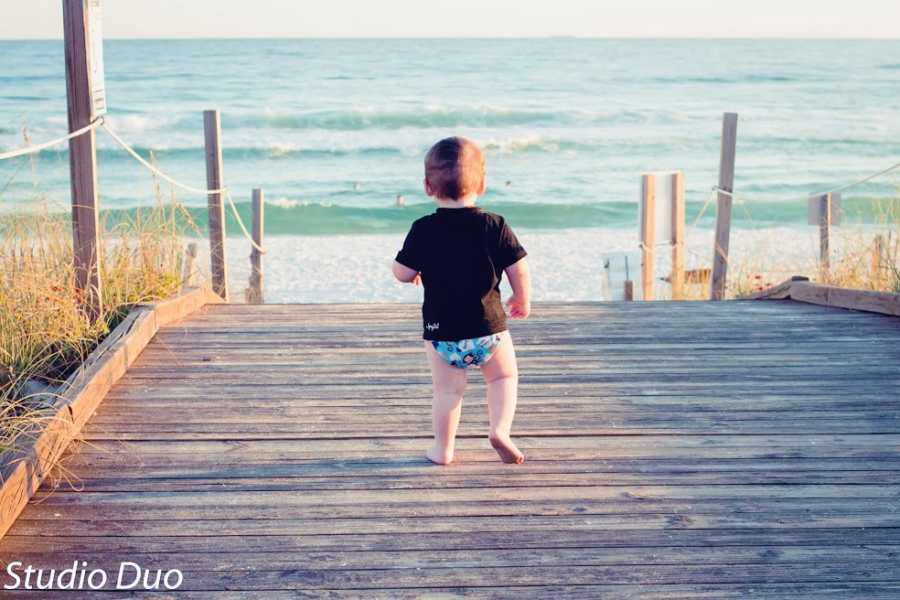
pixel 475 351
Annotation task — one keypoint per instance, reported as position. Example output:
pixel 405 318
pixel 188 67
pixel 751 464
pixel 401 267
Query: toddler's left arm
pixel 520 280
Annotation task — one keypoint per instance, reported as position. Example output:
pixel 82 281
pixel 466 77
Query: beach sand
pixel 567 265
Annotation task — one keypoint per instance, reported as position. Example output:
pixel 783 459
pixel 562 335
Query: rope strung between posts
pixel 100 122
pixel 240 223
pixel 693 226
pixel 188 188
pixel 842 188
pixel 155 170
pixel 34 149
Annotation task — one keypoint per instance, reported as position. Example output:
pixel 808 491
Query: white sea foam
pixel 284 202
pixel 521 144
pixel 281 149
pixel 133 124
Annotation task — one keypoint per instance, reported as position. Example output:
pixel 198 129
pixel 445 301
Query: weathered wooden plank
pixel 187 542
pixel 218 501
pixel 218 480
pixel 801 289
pixel 490 557
pixel 300 578
pixel 723 591
pixel 421 524
pixel 365 454
pixel 25 467
pixel 880 302
pixel 126 432
pixel 718 456
pixel 541 411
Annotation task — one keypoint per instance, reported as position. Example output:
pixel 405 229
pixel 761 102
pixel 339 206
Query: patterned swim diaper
pixel 475 351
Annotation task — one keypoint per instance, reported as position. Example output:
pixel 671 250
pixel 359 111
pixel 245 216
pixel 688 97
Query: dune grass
pixel 44 334
pixel 864 257
pixel 863 265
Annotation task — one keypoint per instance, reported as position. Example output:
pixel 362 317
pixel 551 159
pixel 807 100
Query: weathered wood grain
pixel 645 591
pixel 648 235
pixel 25 467
pixel 677 277
pixel 254 291
pixel 801 289
pixel 675 450
pixel 212 133
pixel 83 177
pixel 724 203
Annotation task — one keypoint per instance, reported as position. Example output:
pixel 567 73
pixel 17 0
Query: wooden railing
pixel 801 289
pixel 24 468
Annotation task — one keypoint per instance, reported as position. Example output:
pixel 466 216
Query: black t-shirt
pixel 461 254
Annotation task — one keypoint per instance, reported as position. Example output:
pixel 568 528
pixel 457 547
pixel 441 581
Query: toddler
pixel 459 253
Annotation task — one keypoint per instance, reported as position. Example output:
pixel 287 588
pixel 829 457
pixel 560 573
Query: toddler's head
pixel 454 170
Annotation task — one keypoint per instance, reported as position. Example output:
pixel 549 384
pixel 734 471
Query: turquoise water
pixel 335 130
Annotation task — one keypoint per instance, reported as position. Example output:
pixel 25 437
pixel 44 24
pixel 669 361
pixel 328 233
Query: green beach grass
pixel 44 334
pixel 859 261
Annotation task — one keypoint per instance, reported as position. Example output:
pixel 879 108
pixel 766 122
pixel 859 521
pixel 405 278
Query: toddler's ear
pixel 429 191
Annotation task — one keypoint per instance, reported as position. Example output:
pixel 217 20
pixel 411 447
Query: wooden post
pixel 188 279
pixel 878 254
pixel 678 236
pixel 255 291
pixel 629 290
pixel 825 233
pixel 212 131
pixel 648 234
pixel 723 207
pixel 824 219
pixel 82 157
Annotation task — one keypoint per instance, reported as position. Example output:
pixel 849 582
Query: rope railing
pixel 740 197
pixel 858 258
pixel 100 122
pixel 240 223
pixel 35 148
pixel 156 170
pixel 225 192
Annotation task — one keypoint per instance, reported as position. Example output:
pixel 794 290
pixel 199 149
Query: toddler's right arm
pixel 404 274
pixel 520 280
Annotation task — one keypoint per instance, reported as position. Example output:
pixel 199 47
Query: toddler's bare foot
pixel 507 450
pixel 439 456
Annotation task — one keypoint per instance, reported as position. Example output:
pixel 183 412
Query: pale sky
pixel 467 18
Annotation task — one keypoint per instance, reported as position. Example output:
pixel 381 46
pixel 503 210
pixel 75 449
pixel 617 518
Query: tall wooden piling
pixel 648 234
pixel 678 210
pixel 878 268
pixel 80 45
pixel 255 291
pixel 723 206
pixel 824 218
pixel 825 212
pixel 189 275
pixel 218 270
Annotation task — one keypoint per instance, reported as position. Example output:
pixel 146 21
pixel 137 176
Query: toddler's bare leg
pixel 501 375
pixel 449 385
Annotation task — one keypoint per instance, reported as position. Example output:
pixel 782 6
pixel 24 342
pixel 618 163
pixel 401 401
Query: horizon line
pixel 474 37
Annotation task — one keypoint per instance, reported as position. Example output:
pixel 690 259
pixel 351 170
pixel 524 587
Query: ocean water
pixel 335 130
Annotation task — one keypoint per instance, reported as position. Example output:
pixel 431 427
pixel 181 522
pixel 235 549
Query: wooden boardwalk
pixel 686 450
